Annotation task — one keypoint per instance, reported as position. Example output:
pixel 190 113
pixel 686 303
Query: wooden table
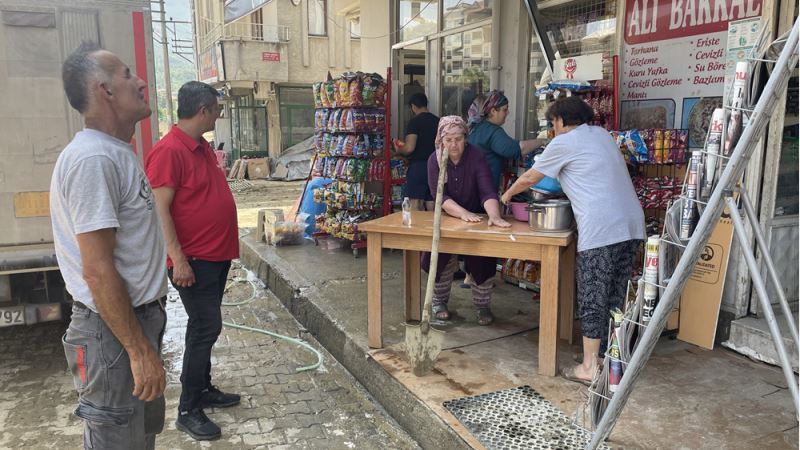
pixel 556 251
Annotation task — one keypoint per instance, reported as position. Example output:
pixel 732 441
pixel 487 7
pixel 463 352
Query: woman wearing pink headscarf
pixel 468 192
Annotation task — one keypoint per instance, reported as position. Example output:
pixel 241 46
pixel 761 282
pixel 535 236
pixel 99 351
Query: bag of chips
pixel 354 87
pixel 342 93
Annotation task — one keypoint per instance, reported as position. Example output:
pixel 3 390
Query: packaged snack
pixel 658 150
pixel 342 122
pixel 330 93
pixel 518 269
pixel 641 149
pixel 647 137
pixel 315 88
pixel 288 233
pixel 373 90
pixel 332 124
pixel 679 156
pixel 670 142
pixel 349 144
pixel 508 270
pixel 318 141
pixel 340 90
pixel 354 87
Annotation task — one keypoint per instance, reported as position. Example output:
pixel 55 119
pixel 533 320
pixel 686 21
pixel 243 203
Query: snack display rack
pixel 352 122
pixel 657 161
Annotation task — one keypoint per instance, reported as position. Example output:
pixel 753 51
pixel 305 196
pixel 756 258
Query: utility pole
pixel 165 51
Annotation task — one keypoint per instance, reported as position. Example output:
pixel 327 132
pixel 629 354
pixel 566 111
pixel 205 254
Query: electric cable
pixel 251 299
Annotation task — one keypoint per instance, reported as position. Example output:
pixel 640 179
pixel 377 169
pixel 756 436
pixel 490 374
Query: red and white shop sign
pixel 583 68
pixel 658 20
pixel 271 56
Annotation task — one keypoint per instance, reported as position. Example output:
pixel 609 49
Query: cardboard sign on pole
pixel 702 294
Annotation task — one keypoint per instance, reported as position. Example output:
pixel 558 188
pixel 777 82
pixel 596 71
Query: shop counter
pixel 556 251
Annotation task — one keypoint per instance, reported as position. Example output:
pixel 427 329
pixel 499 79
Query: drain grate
pixel 518 418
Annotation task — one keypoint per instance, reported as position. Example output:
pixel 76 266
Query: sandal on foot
pixel 440 312
pixel 569 374
pixel 485 316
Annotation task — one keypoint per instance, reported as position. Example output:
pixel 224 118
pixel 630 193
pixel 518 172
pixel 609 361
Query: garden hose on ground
pixel 269 333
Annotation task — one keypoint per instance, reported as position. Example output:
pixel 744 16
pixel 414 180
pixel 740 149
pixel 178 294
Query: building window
pixel 249 126
pixel 317 18
pixel 297 114
pixel 417 18
pixel 257 24
pixel 463 12
pixel 355 27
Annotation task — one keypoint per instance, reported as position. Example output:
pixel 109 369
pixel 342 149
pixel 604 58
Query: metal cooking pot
pixel 550 215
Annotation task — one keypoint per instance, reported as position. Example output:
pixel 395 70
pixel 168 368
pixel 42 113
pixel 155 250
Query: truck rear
pixel 36 123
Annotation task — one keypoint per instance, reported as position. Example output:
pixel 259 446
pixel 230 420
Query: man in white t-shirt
pixel 111 254
pixel 588 164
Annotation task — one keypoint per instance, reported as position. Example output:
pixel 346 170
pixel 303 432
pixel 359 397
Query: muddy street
pixel 281 408
pixel 257 194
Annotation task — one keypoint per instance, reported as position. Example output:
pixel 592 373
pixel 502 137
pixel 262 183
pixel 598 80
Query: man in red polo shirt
pixel 198 216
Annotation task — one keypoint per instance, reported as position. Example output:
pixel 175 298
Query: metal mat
pixel 518 418
pixel 239 185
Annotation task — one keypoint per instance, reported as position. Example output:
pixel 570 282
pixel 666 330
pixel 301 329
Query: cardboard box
pixel 258 168
pixel 702 294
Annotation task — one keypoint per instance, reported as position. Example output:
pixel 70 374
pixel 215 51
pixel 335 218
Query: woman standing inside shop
pixel 468 191
pixel 486 117
pixel 592 172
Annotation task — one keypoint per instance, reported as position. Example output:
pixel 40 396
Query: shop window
pixel 534 121
pixel 249 126
pixel 297 114
pixel 417 18
pixel 465 78
pixel 580 27
pixel 465 12
pixel 317 17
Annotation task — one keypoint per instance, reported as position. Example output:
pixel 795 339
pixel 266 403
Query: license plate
pixel 14 315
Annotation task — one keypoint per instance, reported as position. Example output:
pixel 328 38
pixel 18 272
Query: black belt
pixel 159 302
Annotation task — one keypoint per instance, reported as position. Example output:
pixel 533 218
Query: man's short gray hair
pixel 78 70
pixel 193 96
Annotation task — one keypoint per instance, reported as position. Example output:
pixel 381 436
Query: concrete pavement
pixel 280 409
pixel 686 398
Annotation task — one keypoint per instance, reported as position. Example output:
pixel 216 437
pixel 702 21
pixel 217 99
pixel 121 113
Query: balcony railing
pixel 211 32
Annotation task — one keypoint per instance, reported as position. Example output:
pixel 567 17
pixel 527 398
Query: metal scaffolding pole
pixel 733 171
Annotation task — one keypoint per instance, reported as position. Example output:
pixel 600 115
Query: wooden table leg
pixel 374 284
pixel 548 311
pixel 566 301
pixel 411 284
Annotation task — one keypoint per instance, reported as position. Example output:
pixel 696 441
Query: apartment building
pixel 265 61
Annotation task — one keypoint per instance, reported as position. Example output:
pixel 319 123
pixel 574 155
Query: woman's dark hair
pixel 571 110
